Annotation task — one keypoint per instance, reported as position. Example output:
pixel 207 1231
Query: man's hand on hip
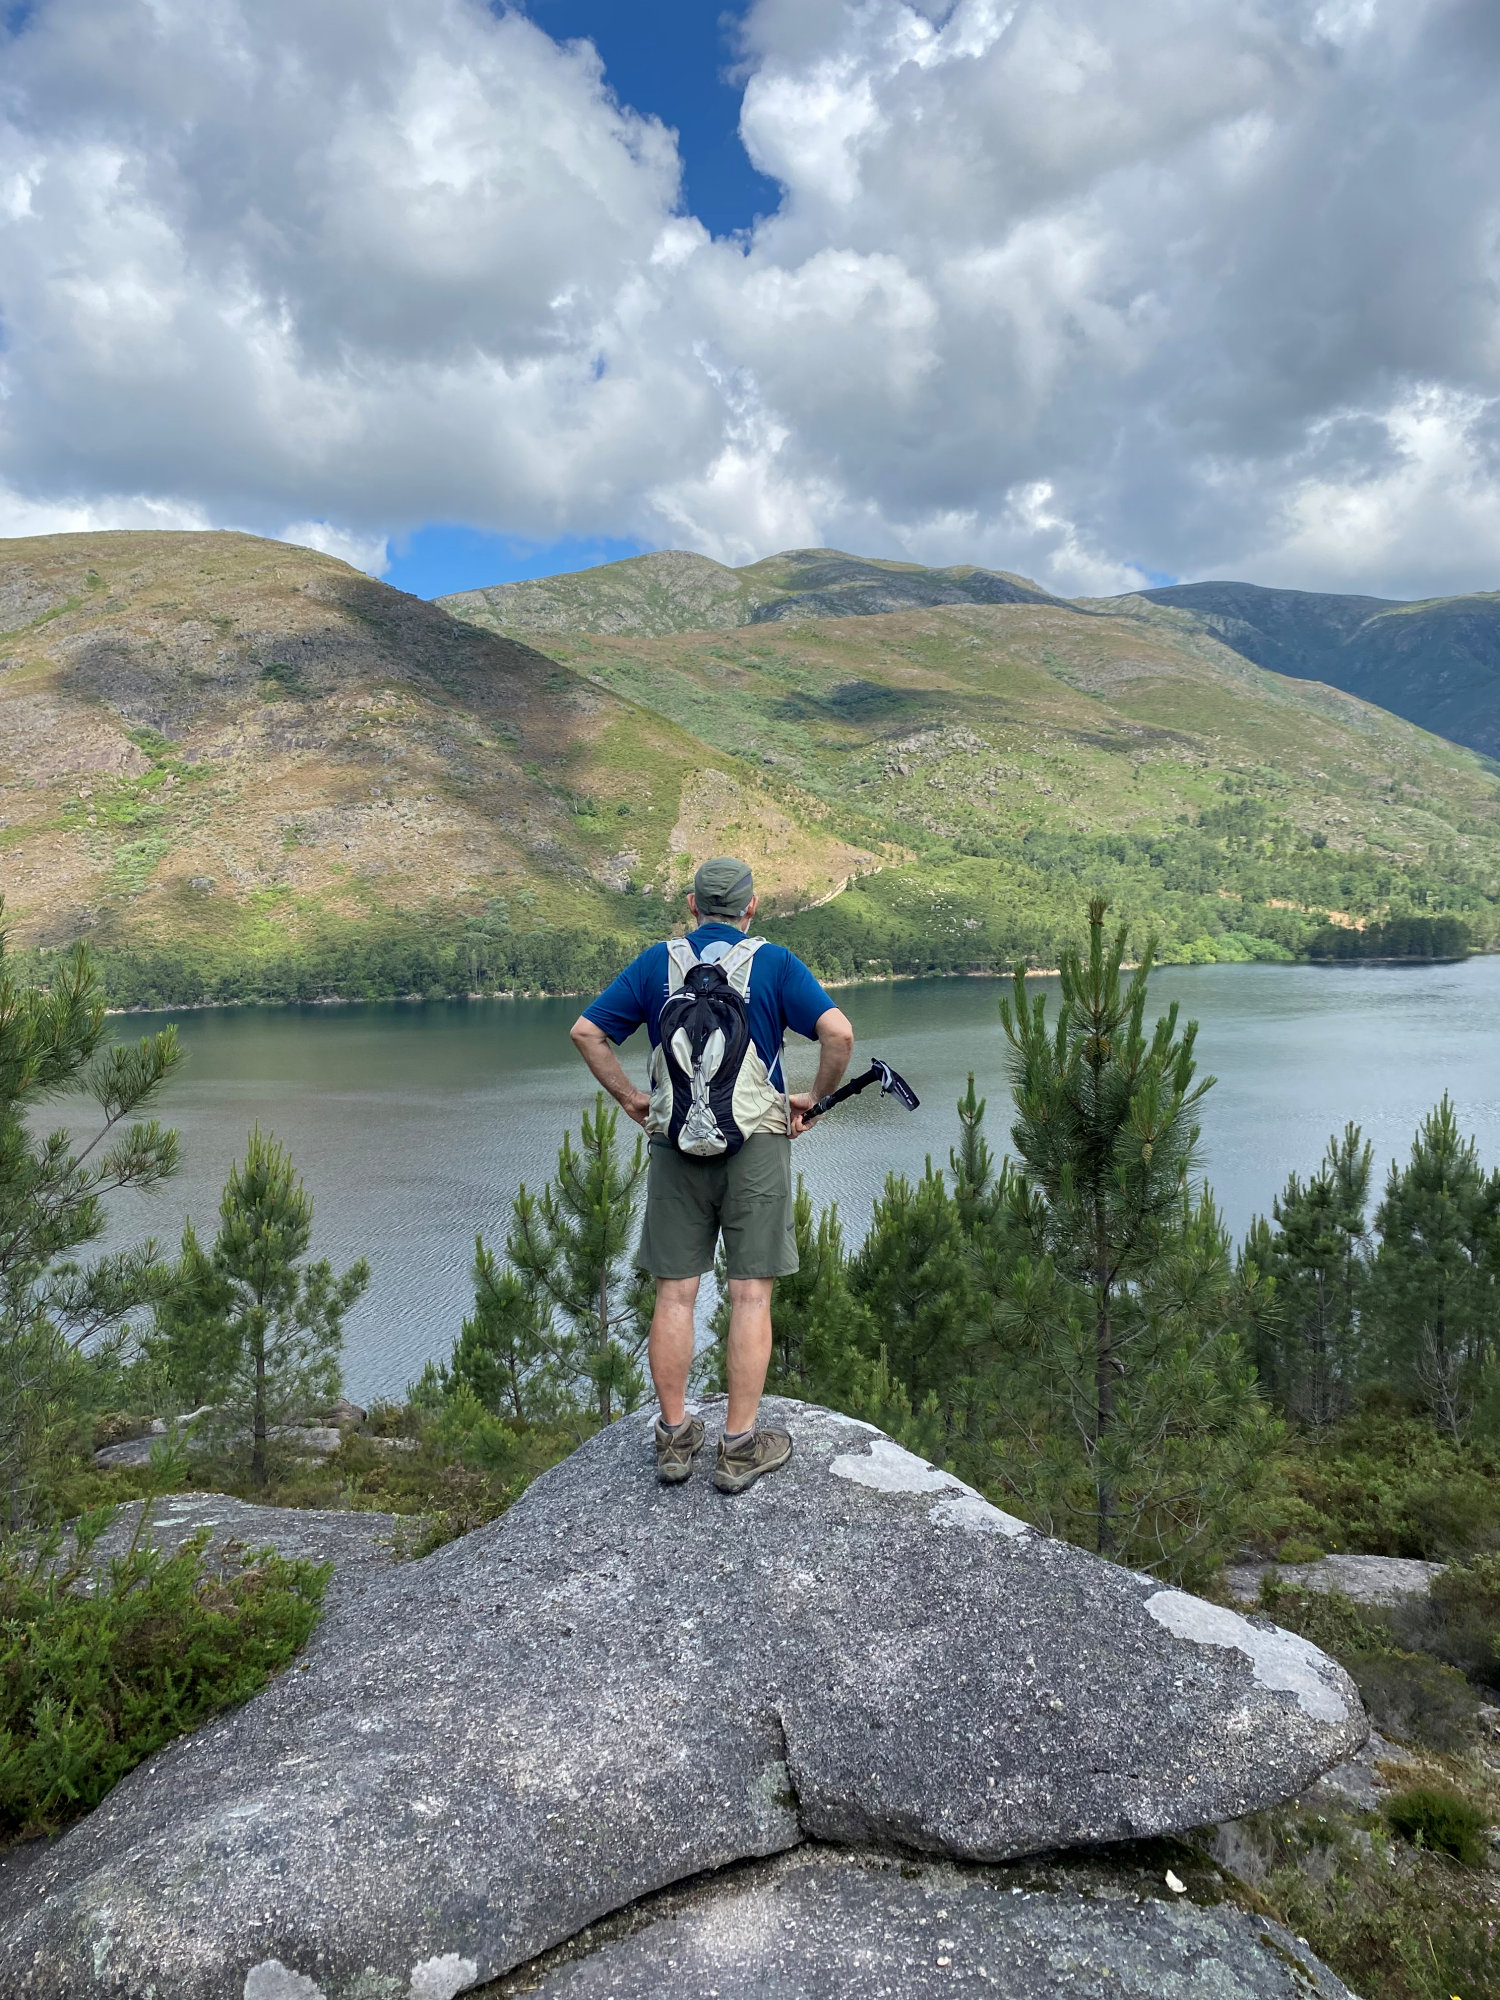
pixel 800 1103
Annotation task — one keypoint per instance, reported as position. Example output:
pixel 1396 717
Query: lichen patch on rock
pixel 1277 1658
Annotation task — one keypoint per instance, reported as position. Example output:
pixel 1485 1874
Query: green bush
pixel 1411 1698
pixel 1389 1483
pixel 1460 1622
pixel 101 1664
pixel 1441 1822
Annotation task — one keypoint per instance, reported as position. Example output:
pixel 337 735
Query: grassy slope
pixel 671 591
pixel 1026 753
pixel 253 765
pixel 225 746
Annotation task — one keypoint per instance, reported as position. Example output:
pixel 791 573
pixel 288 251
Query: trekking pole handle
pixel 871 1075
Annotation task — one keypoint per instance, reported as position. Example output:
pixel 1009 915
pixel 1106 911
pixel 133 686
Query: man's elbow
pixel 583 1033
pixel 836 1033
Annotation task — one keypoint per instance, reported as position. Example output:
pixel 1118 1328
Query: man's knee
pixel 750 1294
pixel 676 1294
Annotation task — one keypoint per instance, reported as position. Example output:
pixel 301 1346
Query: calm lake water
pixel 413 1124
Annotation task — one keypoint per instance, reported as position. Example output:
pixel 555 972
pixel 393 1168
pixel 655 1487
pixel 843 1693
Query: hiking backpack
pixel 710 1089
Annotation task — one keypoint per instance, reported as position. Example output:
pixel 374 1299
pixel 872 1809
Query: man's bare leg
pixel 749 1351
pixel 671 1344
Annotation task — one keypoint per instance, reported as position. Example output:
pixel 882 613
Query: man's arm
pixel 598 1052
pixel 835 1046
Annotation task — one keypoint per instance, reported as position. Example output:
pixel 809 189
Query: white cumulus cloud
pixel 1209 287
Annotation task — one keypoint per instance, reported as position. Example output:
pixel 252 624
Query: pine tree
pixel 571 1247
pixel 503 1353
pixel 1309 1349
pixel 1433 1296
pixel 282 1317
pixel 62 1323
pixel 1106 1133
pixel 914 1278
pixel 188 1357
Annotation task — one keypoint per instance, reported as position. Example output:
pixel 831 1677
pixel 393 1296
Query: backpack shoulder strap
pixel 737 963
pixel 681 958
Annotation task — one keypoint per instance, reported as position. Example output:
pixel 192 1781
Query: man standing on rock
pixel 716 1006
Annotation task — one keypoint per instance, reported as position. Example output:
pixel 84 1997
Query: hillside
pixel 244 769
pixel 219 753
pixel 1437 663
pixel 1026 753
pixel 672 591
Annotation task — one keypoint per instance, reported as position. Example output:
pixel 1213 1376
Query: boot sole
pixel 738 1482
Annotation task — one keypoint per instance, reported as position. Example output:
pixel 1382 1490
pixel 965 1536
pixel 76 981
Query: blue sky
pixel 673 58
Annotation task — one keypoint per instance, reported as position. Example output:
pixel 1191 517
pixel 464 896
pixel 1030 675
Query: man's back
pixel 782 994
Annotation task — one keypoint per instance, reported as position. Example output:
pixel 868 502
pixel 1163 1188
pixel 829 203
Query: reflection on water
pixel 413 1124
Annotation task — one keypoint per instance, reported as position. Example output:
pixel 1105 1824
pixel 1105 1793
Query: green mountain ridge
pixel 674 591
pixel 245 770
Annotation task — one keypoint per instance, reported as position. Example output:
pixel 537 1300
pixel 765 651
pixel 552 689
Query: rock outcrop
pixel 1364 1579
pixel 358 1545
pixel 620 1686
pixel 825 1922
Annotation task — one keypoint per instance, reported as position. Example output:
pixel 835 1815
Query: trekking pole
pixel 891 1085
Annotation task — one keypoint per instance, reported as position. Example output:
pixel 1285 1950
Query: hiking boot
pixel 740 1465
pixel 676 1450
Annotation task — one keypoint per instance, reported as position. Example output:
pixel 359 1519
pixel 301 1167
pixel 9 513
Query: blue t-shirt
pixel 783 994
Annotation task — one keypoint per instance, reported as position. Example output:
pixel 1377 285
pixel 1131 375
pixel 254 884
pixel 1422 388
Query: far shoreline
pixel 829 985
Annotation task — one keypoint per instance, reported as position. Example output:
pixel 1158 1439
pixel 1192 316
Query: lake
pixel 413 1123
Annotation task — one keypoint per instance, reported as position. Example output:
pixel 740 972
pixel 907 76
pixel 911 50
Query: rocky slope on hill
pixel 619 1688
pixel 226 743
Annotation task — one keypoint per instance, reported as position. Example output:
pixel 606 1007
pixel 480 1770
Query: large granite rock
pixel 825 1925
pixel 620 1685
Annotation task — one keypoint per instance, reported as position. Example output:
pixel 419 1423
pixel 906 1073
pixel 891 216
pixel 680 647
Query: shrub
pixel 1389 1483
pixel 1440 1821
pixel 1460 1622
pixel 1412 1698
pixel 100 1665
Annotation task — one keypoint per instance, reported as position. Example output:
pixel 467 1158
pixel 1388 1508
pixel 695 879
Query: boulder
pixel 129 1451
pixel 358 1545
pixel 1364 1579
pixel 823 1924
pixel 621 1685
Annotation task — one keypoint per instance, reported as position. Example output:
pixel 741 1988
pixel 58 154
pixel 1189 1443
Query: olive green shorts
pixel 747 1196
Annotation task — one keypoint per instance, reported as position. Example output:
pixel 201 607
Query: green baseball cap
pixel 723 888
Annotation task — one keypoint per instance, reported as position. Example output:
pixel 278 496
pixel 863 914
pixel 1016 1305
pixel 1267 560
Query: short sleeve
pixel 803 1001
pixel 621 1007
